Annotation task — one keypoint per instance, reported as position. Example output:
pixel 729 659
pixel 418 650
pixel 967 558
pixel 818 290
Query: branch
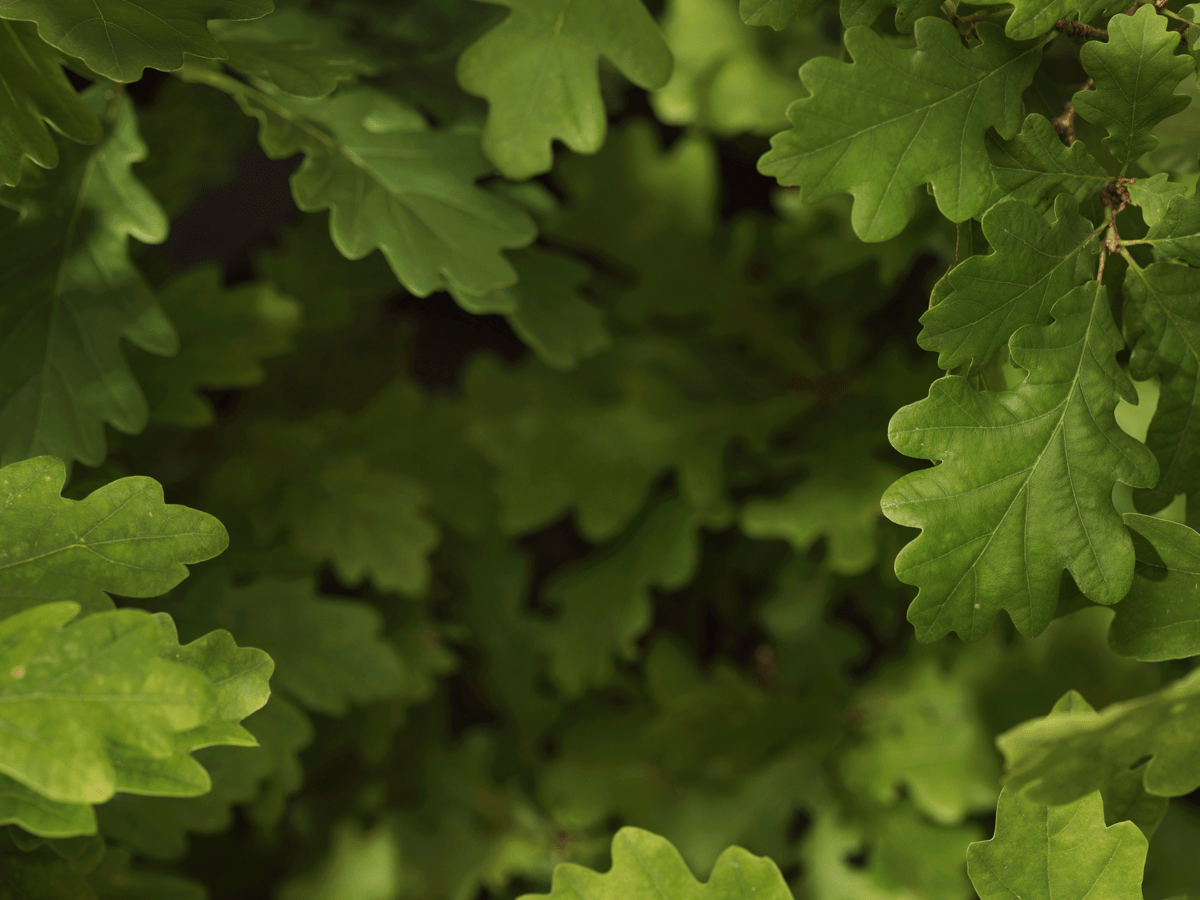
pixel 1064 124
pixel 1078 29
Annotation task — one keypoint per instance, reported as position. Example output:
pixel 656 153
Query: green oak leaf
pixel 1031 18
pixel 1057 853
pixel 1136 72
pixel 223 334
pixel 1177 232
pixel 775 13
pixel 35 91
pixel 83 699
pixel 1127 800
pixel 1163 323
pixel 921 731
pixel 538 70
pixel 1036 166
pixel 894 119
pixel 605 600
pixel 1160 618
pixel 838 502
pixel 301 54
pixel 546 309
pixel 1025 482
pixel 122 539
pixel 72 295
pixel 1062 757
pixel 1154 196
pixel 38 814
pixel 120 38
pixel 369 523
pixel 390 183
pixel 646 865
pixel 328 651
pixel 1035 264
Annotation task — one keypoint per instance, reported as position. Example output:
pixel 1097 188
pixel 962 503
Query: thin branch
pixel 1079 29
pixel 1064 124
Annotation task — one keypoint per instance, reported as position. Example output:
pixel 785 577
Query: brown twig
pixel 1115 195
pixel 1064 124
pixel 1079 29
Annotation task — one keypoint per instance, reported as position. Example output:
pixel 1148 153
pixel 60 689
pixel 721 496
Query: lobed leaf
pixel 1025 482
pixel 121 539
pixel 645 865
pixel 538 71
pixel 1036 166
pixel 72 294
pixel 895 119
pixel 1060 852
pixel 391 183
pixel 1035 264
pixel 1136 72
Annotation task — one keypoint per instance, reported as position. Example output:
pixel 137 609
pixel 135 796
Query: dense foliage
pixel 563 545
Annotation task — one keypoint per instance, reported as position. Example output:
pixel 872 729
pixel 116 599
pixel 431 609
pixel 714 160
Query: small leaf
pixel 645 865
pixel 775 13
pixel 1035 264
pixel 1057 853
pixel 35 92
pixel 895 119
pixel 1136 72
pixel 122 539
pixel 120 38
pixel 1154 196
pixel 1025 482
pixel 1177 232
pixel 538 71
pixel 393 184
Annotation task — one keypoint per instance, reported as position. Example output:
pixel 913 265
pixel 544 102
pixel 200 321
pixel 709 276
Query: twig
pixel 1079 29
pixel 1064 124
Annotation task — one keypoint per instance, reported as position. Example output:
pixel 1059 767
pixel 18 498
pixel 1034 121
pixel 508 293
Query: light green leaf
pixel 1136 72
pixel 1057 853
pixel 922 732
pixel 222 334
pixel 1160 618
pixel 1036 166
pixel 647 866
pixel 299 53
pixel 390 183
pixel 775 13
pixel 605 601
pixel 328 652
pixel 72 294
pixel 1062 757
pixel 1025 482
pixel 838 502
pixel 1177 232
pixel 35 92
pixel 370 523
pixel 1035 264
pixel 1127 800
pixel 82 698
pixel 37 814
pixel 1164 329
pixel 1154 196
pixel 895 119
pixel 546 309
pixel 122 539
pixel 538 71
pixel 120 38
